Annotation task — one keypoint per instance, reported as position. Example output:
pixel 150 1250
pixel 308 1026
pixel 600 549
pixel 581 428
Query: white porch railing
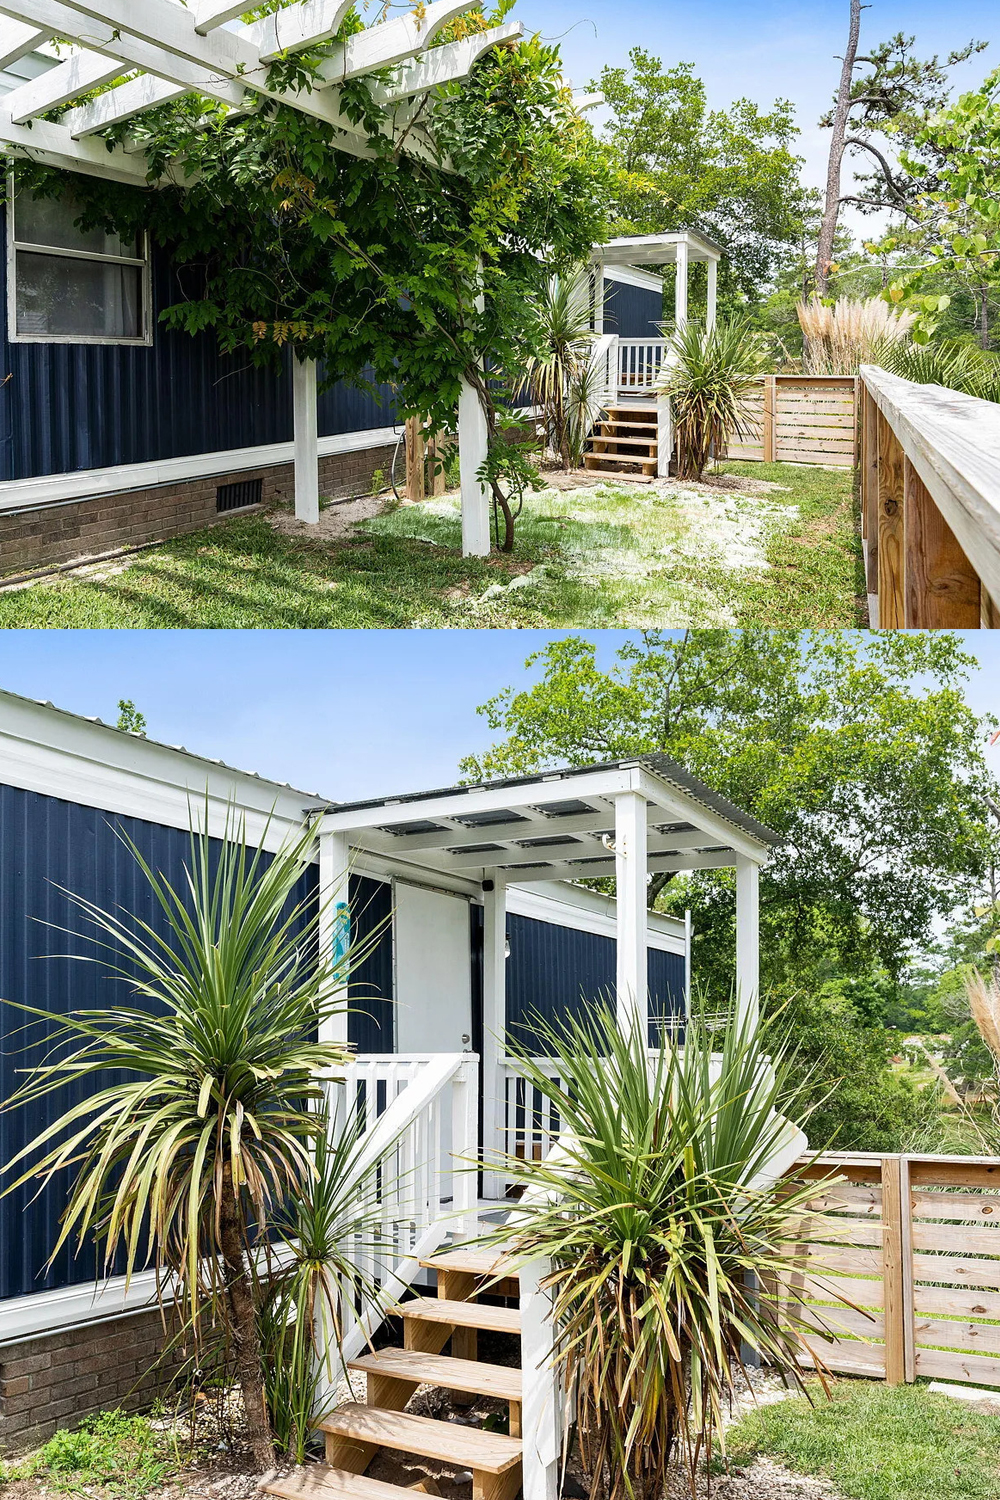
pixel 639 364
pixel 420 1118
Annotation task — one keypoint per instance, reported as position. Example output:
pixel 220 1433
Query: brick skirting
pixel 52 1380
pixel 74 529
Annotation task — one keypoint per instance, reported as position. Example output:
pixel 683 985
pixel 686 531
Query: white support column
pixel 473 442
pixel 664 434
pixel 305 423
pixel 713 289
pixel 335 923
pixel 597 271
pixel 494 1032
pixel 681 297
pixel 542 1396
pixel 630 898
pixel 747 938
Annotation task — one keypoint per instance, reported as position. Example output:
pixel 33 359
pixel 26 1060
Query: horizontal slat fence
pixel 913 1244
pixel 805 419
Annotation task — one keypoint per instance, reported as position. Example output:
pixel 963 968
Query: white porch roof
pixel 658 249
pixel 556 825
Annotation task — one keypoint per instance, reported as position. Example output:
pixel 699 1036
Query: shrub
pixel 710 376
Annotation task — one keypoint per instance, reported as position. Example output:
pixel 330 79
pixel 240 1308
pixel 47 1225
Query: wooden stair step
pixel 611 437
pixel 451 1442
pixel 321 1482
pixel 478 1262
pixel 647 412
pixel 501 1381
pixel 633 426
pixel 461 1314
pixel 617 474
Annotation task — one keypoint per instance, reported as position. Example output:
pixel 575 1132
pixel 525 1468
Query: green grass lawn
pixel 613 555
pixel 873 1442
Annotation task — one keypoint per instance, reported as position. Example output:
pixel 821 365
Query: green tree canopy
pixel 680 165
pixel 860 751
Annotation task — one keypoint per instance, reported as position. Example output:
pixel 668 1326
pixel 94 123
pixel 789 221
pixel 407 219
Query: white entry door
pixel 433 971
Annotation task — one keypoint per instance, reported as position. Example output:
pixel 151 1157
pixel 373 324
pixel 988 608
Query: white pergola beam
pixel 18 38
pixel 113 41
pixel 121 103
pixel 295 27
pixel 208 14
pixel 391 42
pixel 80 72
pixel 447 64
pixel 567 853
pixel 45 142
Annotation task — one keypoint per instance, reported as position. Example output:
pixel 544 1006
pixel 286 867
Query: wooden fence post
pixel 414 458
pixel 869 485
pixel 942 588
pixel 890 544
pixel 892 1270
pixel 770 405
pixel 906 1270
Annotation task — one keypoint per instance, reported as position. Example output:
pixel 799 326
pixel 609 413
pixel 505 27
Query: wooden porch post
pixel 890 535
pixel 494 1032
pixel 630 898
pixel 747 939
pixel 770 407
pixel 941 586
pixel 306 440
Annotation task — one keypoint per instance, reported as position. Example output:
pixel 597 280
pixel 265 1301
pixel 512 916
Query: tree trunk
pixel 831 210
pixel 984 317
pixel 243 1326
pixel 503 505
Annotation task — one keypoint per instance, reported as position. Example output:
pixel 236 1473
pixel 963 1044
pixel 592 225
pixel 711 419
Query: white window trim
pixel 144 262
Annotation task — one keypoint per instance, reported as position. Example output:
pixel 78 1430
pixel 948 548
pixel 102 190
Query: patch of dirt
pixel 336 520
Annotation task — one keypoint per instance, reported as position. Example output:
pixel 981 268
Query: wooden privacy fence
pixel 914 1243
pixel 929 463
pixel 805 419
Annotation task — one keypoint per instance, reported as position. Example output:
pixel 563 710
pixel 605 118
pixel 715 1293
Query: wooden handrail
pixel 929 461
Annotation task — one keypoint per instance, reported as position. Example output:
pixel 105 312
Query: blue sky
pixel 343 713
pixel 774 48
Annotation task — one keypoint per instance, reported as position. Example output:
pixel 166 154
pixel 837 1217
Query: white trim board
pixel 89 484
pixel 59 754
pixel 632 276
pixel 67 1307
pixel 585 910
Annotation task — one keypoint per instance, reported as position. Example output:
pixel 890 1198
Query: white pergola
pixel 678 250
pixel 162 50
pixel 628 819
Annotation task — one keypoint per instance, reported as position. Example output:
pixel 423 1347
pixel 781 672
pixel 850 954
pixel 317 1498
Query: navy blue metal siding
pixel 370 1023
pixel 633 312
pixel 554 972
pixel 67 407
pixel 47 843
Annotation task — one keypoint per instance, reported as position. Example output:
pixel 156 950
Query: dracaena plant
pixel 710 376
pixel 186 1157
pixel 668 1224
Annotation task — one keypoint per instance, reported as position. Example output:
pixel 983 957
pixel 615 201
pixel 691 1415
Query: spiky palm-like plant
pixel 558 378
pixel 710 375
pixel 210 1122
pixel 660 1216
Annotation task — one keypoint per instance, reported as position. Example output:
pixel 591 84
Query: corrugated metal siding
pixel 370 1023
pixel 67 407
pixel 47 843
pixel 632 312
pixel 554 972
